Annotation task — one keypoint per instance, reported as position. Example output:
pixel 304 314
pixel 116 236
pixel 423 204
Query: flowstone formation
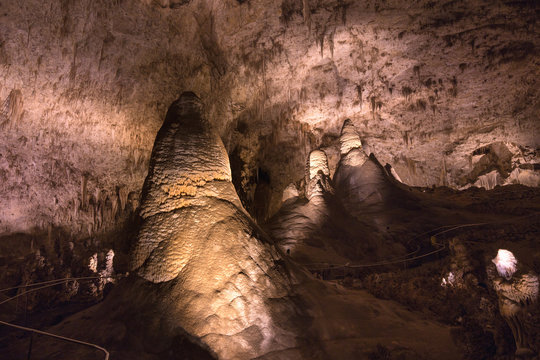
pixel 226 284
pixel 516 295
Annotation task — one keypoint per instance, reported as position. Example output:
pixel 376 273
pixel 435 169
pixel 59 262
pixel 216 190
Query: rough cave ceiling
pixel 446 92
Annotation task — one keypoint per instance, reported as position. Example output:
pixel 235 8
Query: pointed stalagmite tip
pixel 188 102
pixel 317 162
pixel 349 138
pixel 317 173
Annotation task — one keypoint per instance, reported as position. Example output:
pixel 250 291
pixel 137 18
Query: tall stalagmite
pixel 360 180
pixel 222 282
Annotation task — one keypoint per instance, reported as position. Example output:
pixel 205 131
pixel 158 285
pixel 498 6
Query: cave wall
pixel 84 86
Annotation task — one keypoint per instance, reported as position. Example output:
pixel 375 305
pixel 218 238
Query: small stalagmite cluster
pixel 307 227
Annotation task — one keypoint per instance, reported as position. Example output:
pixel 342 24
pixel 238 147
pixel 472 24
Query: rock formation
pixel 361 181
pixel 516 295
pixel 222 282
pixel 317 228
pixel 290 193
pixel 350 149
pixel 296 226
pixel 204 273
pixel 446 92
pixel 317 175
pixel 418 78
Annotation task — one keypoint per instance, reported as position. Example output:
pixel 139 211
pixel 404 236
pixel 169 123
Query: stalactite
pixel 443 180
pixel 84 192
pixel 406 138
pixel 92 211
pixel 12 108
pixel 331 42
pixel 97 196
pixel 133 200
pixel 114 207
pixel 49 245
pixel 306 12
pixel 76 207
pixel 321 41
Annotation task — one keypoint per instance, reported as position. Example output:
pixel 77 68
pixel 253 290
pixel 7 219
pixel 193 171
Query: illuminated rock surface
pixel 361 182
pixel 290 193
pixel 317 162
pixel 318 228
pixel 209 274
pixel 350 149
pixel 516 296
pixel 231 290
pixel 317 175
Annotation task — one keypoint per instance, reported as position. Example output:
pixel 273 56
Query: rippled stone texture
pixel 226 283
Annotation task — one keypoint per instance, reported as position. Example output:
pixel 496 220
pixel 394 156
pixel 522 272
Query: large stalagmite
pixel 226 284
pixel 203 272
pixel 361 182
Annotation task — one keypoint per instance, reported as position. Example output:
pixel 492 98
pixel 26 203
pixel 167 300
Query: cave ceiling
pixel 444 91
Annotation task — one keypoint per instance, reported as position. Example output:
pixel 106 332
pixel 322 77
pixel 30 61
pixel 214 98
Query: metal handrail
pixel 51 283
pixel 391 262
pixel 59 281
pixel 58 337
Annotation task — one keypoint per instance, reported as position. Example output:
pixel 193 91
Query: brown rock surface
pixel 85 84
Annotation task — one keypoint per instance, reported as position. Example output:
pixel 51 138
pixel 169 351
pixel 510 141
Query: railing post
pixel 25 324
pixel 30 346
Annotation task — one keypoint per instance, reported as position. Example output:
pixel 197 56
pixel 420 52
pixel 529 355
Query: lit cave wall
pixel 430 86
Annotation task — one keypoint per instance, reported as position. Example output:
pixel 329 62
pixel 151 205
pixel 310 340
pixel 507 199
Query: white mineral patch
pixel 506 263
pixel 395 174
